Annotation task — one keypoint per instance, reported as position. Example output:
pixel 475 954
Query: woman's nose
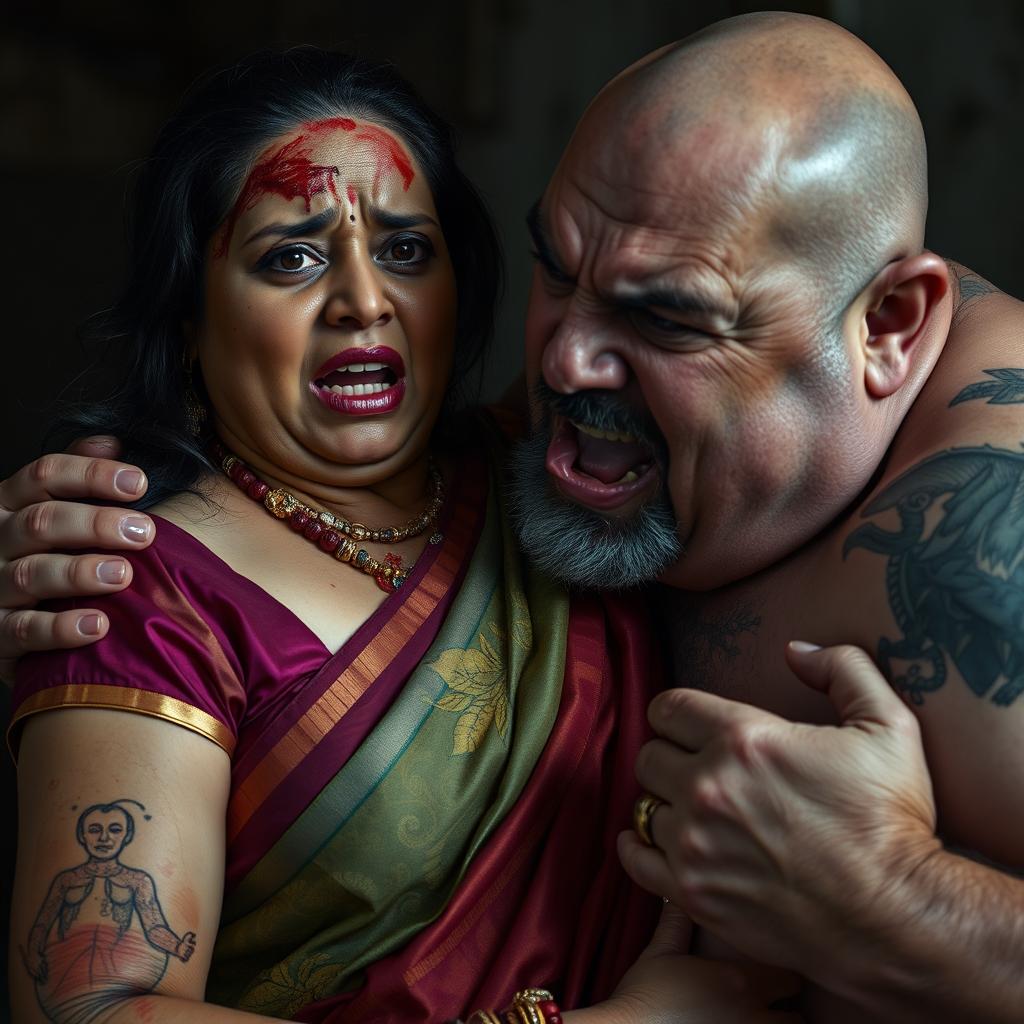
pixel 581 356
pixel 358 298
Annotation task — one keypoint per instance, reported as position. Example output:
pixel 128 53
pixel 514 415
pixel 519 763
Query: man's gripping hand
pixel 38 516
pixel 788 841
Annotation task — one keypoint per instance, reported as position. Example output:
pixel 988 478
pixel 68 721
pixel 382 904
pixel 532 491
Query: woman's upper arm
pixel 120 862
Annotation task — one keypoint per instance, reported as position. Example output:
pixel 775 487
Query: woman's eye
pixel 406 252
pixel 293 260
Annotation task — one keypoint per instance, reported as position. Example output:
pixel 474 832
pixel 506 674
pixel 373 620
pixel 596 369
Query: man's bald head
pixel 795 122
pixel 730 300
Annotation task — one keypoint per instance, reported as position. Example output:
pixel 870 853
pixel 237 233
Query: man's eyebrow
pixel 678 300
pixel 389 219
pixel 541 242
pixel 310 226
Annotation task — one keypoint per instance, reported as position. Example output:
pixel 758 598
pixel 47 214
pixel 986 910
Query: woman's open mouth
pixel 361 381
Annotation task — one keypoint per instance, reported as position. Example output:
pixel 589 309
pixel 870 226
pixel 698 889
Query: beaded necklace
pixel 333 534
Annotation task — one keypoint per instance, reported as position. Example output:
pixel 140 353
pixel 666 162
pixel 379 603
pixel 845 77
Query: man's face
pixel 661 312
pixel 105 834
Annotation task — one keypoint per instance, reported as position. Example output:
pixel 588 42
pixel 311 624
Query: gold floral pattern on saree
pixel 288 986
pixel 477 679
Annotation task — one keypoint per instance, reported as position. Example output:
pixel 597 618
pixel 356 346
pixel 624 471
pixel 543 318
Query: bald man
pixel 750 381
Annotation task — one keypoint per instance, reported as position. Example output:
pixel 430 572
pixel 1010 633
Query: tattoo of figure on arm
pixel 955 572
pixel 100 934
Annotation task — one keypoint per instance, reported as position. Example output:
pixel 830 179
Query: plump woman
pixel 343 756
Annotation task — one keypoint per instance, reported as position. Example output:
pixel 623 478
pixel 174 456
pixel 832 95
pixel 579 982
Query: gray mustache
pixel 604 410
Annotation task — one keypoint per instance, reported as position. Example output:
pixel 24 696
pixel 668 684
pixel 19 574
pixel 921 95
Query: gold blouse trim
pixel 118 698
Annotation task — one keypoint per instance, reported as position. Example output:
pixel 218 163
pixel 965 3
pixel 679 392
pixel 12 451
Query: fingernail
pixel 135 528
pixel 90 625
pixel 128 481
pixel 111 572
pixel 803 646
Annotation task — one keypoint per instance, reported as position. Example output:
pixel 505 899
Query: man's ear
pixel 901 305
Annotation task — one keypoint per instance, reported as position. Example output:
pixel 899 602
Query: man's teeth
pixel 605 435
pixel 358 389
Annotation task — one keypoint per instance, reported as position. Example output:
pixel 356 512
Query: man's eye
pixel 644 318
pixel 554 276
pixel 292 260
pixel 406 251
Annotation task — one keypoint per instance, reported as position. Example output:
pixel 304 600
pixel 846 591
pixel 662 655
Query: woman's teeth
pixel 360 367
pixel 359 389
pixel 378 374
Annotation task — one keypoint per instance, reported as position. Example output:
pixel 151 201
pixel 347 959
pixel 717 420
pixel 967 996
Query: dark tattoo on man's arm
pixel 969 287
pixel 955 572
pixel 100 935
pixel 1007 388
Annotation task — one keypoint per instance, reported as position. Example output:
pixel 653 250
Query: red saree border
pixel 420 600
pixel 118 698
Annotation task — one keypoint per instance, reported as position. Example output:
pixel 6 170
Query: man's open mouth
pixel 602 469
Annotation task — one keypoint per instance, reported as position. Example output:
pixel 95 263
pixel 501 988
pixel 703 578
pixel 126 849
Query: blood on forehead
pixel 289 172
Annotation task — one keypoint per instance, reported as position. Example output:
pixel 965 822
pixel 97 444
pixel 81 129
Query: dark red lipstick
pixel 361 381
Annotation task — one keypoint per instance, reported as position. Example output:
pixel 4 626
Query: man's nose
pixel 582 355
pixel 359 298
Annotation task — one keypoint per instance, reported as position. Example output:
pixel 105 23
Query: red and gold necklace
pixel 333 534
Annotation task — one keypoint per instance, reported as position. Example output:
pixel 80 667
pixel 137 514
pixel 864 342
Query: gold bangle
pixel 525 1002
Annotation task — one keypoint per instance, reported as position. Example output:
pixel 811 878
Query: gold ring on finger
pixel 643 811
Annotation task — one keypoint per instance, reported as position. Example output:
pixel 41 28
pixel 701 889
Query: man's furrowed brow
pixel 542 246
pixel 681 301
pixel 310 226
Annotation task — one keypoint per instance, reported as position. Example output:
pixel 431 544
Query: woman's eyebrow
pixel 310 226
pixel 388 219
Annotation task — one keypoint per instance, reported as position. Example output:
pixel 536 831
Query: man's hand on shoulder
pixel 41 514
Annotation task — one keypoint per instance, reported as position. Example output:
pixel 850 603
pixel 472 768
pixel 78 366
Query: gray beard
pixel 575 545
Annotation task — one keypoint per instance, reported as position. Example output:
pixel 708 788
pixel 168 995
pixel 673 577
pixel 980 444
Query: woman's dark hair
pixel 185 191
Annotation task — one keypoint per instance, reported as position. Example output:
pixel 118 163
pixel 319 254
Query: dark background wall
pixel 85 86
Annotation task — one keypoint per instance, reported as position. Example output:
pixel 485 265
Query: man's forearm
pixel 955 952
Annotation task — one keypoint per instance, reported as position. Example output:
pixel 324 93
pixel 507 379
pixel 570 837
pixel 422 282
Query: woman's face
pixel 327 333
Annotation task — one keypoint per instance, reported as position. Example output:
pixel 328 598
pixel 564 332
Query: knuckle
pixel 643 762
pixel 669 704
pixel 37 520
pixel 846 657
pixel 708 796
pixel 22 577
pixel 748 743
pixel 44 470
pixel 97 473
pixel 691 847
pixel 19 626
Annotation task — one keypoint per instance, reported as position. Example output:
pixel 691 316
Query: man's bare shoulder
pixel 926 572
